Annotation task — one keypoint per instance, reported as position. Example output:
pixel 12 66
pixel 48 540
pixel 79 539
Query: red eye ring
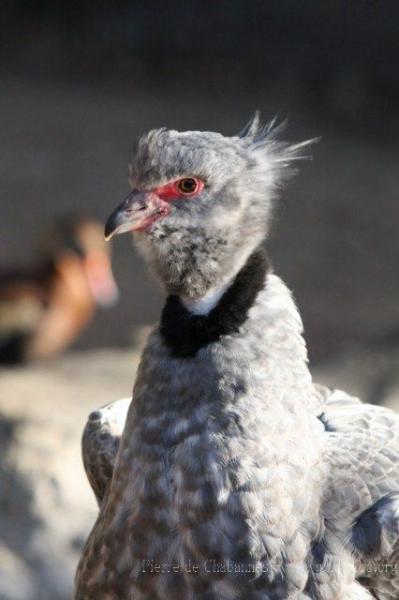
pixel 188 185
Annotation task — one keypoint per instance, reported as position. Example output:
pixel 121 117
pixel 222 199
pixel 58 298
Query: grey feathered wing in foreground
pixel 100 444
pixel 235 476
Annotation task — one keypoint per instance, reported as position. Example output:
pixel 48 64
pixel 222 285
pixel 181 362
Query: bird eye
pixel 188 185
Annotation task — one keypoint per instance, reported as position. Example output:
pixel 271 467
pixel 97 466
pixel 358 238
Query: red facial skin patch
pixel 162 197
pixel 146 223
pixel 171 191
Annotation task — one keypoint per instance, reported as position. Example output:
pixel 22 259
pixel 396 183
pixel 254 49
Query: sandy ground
pixel 46 505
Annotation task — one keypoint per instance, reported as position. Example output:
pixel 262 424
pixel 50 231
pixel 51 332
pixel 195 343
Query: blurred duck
pixel 44 309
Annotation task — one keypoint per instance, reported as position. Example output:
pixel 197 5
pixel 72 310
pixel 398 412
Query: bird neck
pixel 186 331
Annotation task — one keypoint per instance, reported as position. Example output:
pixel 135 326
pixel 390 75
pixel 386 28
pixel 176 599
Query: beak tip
pixel 120 220
pixel 109 228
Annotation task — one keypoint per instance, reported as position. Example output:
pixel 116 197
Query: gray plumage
pixel 235 477
pixel 100 444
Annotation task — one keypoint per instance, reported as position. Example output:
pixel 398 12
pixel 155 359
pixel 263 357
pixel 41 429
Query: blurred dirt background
pixel 78 82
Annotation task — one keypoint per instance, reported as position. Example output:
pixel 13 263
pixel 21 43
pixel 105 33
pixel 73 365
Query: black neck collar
pixel 185 333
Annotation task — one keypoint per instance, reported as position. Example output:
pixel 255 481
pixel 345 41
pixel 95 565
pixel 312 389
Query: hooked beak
pixel 136 213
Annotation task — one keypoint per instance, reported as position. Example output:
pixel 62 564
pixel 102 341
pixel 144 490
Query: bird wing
pixel 362 496
pixel 100 444
pixel 363 439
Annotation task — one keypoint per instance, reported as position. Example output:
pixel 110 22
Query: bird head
pixel 201 202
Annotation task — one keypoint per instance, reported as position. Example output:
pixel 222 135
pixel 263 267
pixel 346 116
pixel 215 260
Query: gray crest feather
pixel 280 156
pixel 256 131
pixel 267 135
pixel 252 127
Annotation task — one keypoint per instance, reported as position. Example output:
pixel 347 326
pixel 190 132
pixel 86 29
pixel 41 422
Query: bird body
pixel 235 477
